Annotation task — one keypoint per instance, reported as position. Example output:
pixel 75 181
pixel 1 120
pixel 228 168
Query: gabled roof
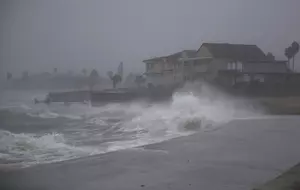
pixel 154 59
pixel 175 56
pixel 239 52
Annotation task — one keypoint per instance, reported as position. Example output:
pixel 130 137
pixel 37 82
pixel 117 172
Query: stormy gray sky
pixel 38 35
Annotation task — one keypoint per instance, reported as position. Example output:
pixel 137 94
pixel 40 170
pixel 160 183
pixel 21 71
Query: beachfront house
pixel 167 70
pixel 226 64
pixel 229 64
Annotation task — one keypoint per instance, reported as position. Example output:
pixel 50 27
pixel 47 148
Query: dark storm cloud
pixel 71 34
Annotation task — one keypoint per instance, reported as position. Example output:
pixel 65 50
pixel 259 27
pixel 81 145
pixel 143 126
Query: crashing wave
pixel 112 127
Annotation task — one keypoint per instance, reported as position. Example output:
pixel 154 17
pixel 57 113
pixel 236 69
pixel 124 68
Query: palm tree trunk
pixel 293 63
pixel 91 88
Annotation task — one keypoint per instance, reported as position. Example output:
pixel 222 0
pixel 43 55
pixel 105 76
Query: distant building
pixel 224 63
pixel 167 70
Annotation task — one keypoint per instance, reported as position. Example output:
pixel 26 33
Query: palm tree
pixel 94 73
pixel 93 78
pixel 295 50
pixel 291 52
pixel 116 79
pixel 288 54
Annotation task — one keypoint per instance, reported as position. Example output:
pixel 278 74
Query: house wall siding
pixel 160 79
pixel 222 64
pixel 158 67
pixel 154 67
pixel 165 73
pixel 214 66
pixel 264 67
pixel 201 68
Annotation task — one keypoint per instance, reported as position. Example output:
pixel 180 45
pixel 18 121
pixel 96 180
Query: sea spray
pixel 81 130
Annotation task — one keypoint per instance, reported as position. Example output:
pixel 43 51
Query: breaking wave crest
pixel 117 126
pixel 30 149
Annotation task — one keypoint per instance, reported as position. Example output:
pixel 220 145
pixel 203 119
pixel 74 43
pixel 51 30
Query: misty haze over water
pixel 37 36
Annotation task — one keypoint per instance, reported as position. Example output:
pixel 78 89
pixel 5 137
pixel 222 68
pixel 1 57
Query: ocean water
pixel 33 134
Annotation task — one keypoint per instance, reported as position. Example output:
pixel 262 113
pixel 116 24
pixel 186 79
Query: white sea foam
pixel 52 115
pixel 119 126
pixel 32 149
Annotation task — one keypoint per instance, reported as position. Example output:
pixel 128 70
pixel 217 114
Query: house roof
pixel 175 56
pixel 240 52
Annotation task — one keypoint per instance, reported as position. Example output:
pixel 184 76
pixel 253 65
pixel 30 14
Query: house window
pixel 228 66
pixel 233 66
pixel 150 66
pixel 240 66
